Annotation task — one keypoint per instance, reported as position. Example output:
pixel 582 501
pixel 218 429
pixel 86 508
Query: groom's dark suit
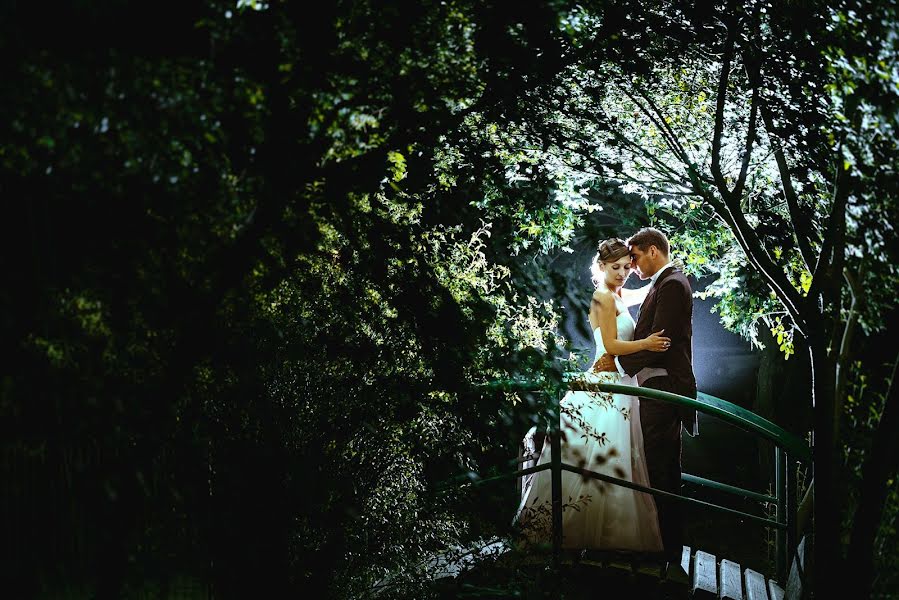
pixel 668 306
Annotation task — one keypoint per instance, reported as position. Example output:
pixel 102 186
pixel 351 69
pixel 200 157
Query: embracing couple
pixel 630 438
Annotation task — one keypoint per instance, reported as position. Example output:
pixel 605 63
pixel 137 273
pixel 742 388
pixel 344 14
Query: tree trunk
pixel 880 464
pixel 770 378
pixel 826 552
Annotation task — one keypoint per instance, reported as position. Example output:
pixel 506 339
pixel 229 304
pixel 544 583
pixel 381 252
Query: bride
pixel 600 432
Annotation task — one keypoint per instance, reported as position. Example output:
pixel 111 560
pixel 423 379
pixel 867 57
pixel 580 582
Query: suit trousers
pixel 661 424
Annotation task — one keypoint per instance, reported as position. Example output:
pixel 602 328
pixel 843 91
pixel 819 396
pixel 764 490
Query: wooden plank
pixel 620 561
pixel 793 588
pixel 592 556
pixel 620 565
pixel 774 591
pixel 705 577
pixel 755 585
pixel 650 569
pixel 731 588
pixel 675 580
pixel 648 578
pixel 678 574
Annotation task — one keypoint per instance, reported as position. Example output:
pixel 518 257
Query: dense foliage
pixel 253 273
pixel 258 254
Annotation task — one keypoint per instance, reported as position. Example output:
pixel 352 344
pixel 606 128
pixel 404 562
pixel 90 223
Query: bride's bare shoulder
pixel 604 297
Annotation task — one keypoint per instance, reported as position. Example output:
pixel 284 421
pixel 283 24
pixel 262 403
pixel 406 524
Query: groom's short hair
pixel 649 236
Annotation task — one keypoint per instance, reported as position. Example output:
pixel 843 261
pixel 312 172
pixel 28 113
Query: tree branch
pixel 752 247
pixel 831 257
pixel 730 209
pixel 658 164
pixel 658 119
pixel 750 141
pixel 801 220
pixel 719 111
pixel 845 350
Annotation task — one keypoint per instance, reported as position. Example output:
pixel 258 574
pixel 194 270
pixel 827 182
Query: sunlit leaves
pixel 398 165
pixel 784 337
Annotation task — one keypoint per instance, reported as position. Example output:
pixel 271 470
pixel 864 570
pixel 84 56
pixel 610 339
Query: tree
pixel 249 265
pixel 768 133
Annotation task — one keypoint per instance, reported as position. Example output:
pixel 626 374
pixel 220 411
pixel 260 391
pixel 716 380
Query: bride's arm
pixel 636 296
pixel 602 314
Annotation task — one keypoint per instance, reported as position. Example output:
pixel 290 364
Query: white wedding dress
pixel 600 432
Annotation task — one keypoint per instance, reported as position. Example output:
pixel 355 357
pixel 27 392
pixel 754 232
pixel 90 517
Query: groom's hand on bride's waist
pixel 606 362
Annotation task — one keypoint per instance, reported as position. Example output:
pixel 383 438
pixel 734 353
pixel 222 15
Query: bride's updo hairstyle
pixel 608 251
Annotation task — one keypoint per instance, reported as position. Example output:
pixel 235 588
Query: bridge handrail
pixel 788 449
pixel 705 403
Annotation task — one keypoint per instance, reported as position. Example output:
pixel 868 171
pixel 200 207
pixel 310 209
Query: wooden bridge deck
pixel 594 574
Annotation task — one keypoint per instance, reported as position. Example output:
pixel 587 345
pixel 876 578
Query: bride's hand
pixel 605 363
pixel 656 342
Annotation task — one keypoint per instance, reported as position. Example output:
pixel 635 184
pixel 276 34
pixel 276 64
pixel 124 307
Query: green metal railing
pixel 788 450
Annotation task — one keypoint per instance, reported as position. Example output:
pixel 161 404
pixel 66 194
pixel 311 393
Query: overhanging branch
pixel 801 220
pixel 750 142
pixel 830 261
pixel 730 212
pixel 658 119
pixel 719 111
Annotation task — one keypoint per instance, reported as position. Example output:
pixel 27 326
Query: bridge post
pixel 780 487
pixel 556 472
pixel 792 512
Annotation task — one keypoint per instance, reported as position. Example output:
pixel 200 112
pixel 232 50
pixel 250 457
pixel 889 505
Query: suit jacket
pixel 668 306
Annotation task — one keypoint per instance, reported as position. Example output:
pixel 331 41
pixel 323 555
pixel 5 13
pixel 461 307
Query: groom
pixel 668 306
